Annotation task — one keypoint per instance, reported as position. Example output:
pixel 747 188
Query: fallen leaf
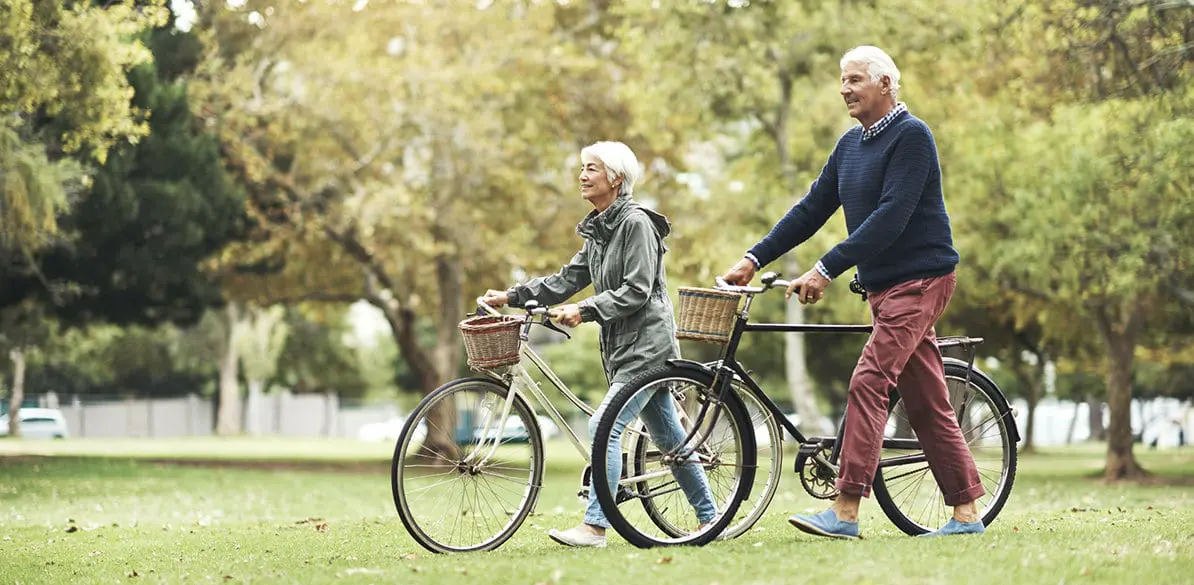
pixel 132 573
pixel 309 521
pixel 1149 508
pixel 94 553
pixel 228 577
pixel 363 572
pixel 663 560
pixel 1084 572
pixel 72 528
pixel 409 556
pixel 322 527
pixel 1015 528
pixel 757 544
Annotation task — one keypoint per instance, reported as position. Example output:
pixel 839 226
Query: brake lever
pixel 550 325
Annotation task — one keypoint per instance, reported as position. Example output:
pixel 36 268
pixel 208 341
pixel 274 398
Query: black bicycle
pixel 903 484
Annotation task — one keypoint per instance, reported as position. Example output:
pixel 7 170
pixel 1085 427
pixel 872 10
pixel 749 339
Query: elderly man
pixel 886 177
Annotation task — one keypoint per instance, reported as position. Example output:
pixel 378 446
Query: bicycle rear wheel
pixel 909 494
pixel 462 492
pixel 651 508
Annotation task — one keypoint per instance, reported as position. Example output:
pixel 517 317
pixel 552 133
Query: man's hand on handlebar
pixel 809 288
pixel 495 298
pixel 568 315
pixel 741 274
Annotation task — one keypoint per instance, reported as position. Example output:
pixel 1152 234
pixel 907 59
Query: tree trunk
pixel 17 355
pixel 253 408
pixel 1034 397
pixel 1120 338
pixel 795 366
pixel 1069 436
pixel 439 442
pixel 1032 378
pixel 1121 462
pixel 1094 415
pixel 381 292
pixel 228 419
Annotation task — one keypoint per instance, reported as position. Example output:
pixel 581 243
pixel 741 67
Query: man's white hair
pixel 619 161
pixel 878 65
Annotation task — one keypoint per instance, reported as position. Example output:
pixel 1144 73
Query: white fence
pixel 277 414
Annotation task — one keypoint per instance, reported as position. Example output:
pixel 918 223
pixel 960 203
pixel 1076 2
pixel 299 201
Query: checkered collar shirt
pixel 883 123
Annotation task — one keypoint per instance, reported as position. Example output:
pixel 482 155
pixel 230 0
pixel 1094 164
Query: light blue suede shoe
pixel 825 524
pixel 953 527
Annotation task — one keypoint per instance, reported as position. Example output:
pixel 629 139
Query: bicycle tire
pixel 1001 417
pixel 420 525
pixel 739 491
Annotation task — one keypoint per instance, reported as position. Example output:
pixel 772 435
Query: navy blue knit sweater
pixel 890 190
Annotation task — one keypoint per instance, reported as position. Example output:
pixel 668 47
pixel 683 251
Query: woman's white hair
pixel 619 161
pixel 878 65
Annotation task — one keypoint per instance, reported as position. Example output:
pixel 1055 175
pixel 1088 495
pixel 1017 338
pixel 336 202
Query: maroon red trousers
pixel 902 352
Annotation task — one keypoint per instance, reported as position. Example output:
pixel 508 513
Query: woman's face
pixel 595 186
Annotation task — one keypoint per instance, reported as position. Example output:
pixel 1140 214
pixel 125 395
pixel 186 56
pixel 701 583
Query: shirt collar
pixel 878 127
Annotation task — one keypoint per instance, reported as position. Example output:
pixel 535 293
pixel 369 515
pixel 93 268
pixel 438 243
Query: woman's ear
pixel 617 185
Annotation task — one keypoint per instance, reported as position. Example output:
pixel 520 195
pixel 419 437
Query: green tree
pixel 417 192
pixel 1098 218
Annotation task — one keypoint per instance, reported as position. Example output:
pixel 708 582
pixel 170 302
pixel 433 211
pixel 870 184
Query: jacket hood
pixel 601 226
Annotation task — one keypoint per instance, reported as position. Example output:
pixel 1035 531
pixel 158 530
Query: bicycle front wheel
pixel 464 478
pixel 659 489
pixel 909 494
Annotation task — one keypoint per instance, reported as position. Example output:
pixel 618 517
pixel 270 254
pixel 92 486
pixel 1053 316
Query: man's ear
pixel 885 84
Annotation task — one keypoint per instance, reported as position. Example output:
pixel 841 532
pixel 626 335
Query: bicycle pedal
pixel 624 495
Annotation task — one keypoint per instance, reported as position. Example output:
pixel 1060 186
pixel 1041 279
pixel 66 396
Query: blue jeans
pixel 658 412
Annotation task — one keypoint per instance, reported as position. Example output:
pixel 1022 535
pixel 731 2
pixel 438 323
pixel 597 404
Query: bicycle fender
pixel 690 365
pixel 1001 401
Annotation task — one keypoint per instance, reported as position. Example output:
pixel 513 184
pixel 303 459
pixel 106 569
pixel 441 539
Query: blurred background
pixel 244 217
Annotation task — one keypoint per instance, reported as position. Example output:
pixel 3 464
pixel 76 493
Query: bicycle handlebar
pixel 533 310
pixel 770 280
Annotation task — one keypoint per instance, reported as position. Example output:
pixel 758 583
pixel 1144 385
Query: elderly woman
pixel 622 258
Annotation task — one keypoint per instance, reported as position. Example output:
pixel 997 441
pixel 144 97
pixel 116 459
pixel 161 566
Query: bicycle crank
pixel 817 478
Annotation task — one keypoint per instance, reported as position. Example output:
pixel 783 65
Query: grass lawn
pixel 100 511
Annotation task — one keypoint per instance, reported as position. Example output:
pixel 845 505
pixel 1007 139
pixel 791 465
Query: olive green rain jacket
pixel 622 258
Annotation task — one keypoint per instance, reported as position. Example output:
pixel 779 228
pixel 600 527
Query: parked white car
pixel 38 423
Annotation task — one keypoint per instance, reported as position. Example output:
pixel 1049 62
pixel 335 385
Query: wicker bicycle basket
pixel 491 341
pixel 706 314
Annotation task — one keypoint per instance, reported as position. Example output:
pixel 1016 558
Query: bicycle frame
pixel 520 382
pixel 729 368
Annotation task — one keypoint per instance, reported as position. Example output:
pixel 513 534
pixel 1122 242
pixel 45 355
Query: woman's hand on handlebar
pixel 495 298
pixel 566 314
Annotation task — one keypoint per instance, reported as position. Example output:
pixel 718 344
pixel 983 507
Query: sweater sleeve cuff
pixel 750 256
pixel 822 270
pixel 833 264
pixel 759 255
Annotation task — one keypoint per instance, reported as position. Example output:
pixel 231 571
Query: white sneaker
pixel 577 536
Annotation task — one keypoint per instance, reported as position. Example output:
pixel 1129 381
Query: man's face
pixel 864 98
